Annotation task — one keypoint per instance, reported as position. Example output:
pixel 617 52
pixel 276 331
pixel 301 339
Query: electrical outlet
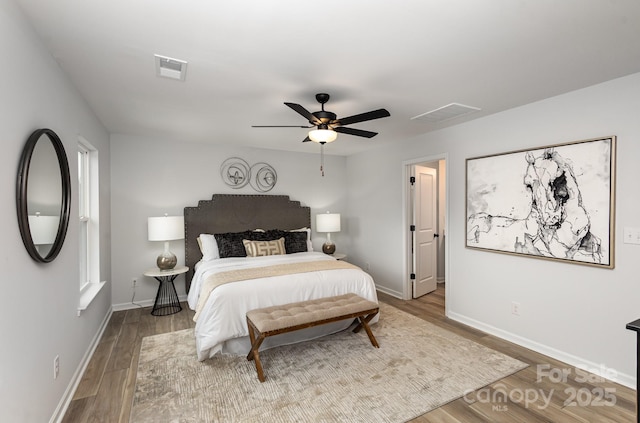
pixel 56 367
pixel 631 236
pixel 515 308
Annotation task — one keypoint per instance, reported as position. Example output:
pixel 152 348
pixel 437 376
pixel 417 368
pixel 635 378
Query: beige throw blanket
pixel 217 279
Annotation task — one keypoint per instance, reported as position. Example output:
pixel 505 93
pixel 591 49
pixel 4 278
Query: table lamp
pixel 166 228
pixel 328 222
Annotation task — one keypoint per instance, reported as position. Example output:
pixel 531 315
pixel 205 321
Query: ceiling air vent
pixel 170 68
pixel 450 111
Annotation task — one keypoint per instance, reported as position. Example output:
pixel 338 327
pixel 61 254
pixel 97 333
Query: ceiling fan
pixel 327 125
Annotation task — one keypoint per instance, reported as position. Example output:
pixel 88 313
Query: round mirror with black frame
pixel 43 195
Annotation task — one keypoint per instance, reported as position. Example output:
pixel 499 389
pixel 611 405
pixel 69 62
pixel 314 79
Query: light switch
pixel 631 236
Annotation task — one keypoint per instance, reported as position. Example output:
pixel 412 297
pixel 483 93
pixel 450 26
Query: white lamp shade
pixel 43 228
pixel 328 222
pixel 323 135
pixel 165 228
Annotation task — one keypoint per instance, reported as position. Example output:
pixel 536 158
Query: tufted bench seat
pixel 284 318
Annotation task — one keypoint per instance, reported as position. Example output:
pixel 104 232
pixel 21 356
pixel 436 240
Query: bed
pixel 222 286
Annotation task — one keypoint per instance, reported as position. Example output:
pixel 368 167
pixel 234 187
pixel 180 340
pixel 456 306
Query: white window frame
pixel 84 211
pixel 89 223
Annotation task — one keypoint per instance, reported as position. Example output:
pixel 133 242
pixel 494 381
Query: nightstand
pixel 339 256
pixel 167 301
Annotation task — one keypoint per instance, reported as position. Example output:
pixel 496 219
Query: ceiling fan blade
pixel 356 132
pixel 374 114
pixel 280 126
pixel 304 113
pixel 307 139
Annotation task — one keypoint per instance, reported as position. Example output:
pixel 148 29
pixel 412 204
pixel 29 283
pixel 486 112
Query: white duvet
pixel 222 327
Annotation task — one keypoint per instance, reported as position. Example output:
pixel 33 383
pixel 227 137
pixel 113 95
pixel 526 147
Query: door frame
pixel 406 219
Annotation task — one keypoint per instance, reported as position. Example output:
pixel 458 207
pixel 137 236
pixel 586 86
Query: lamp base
pixel 166 261
pixel 329 248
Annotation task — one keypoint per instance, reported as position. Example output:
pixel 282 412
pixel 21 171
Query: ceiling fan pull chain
pixel 322 159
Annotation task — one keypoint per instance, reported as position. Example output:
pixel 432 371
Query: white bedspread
pixel 222 326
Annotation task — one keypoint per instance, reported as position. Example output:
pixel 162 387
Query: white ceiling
pixel 246 57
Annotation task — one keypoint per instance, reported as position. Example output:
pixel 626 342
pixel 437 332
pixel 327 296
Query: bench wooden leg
pixel 364 323
pixel 256 357
pixel 359 326
pixel 252 337
pixel 253 354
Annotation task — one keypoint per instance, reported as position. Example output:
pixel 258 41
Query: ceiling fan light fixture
pixel 323 135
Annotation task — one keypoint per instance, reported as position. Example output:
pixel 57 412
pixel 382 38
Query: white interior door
pixel 426 230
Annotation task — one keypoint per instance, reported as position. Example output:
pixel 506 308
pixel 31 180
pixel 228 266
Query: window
pixel 88 212
pixel 84 184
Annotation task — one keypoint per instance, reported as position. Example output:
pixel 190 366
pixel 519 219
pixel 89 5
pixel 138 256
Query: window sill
pixel 88 294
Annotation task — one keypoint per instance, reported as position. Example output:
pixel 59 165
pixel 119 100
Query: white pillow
pixel 208 247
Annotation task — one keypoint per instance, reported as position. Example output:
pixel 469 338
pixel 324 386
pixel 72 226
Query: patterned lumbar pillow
pixel 264 248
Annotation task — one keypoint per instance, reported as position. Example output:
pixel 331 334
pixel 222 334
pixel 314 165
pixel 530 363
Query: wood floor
pixel 106 390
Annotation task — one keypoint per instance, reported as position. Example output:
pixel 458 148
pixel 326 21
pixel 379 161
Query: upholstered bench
pixel 270 321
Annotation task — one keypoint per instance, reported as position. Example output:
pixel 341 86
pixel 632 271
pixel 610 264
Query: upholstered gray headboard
pixel 237 213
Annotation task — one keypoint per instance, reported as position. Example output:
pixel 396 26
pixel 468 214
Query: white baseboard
pixel 142 303
pixel 389 291
pixel 575 361
pixel 61 409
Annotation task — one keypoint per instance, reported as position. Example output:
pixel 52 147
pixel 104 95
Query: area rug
pixel 337 378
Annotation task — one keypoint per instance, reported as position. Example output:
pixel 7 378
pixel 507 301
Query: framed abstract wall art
pixel 555 202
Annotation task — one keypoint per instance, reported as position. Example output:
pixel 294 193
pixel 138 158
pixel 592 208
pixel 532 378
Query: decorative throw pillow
pixel 295 242
pixel 307 230
pixel 268 235
pixel 230 244
pixel 264 248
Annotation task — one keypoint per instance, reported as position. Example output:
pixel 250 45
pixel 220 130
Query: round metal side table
pixel 167 301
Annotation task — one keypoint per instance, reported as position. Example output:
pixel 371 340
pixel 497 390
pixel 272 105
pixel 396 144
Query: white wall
pixel 151 177
pixel 573 312
pixel 38 315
